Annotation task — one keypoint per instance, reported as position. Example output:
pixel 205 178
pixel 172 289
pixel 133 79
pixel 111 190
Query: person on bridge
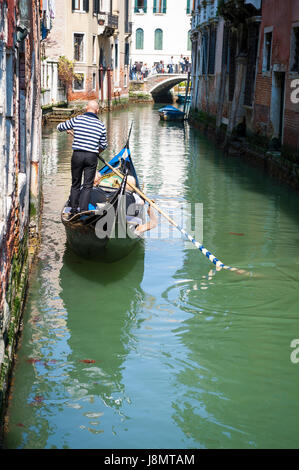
pixel 90 139
pixel 170 65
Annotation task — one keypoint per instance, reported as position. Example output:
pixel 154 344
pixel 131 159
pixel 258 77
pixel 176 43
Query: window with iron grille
pixel 79 47
pixel 79 82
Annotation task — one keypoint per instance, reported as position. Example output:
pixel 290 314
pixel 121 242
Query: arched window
pixel 189 41
pixel 158 39
pixel 139 38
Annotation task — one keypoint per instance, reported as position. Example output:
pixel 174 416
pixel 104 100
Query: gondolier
pixel 90 139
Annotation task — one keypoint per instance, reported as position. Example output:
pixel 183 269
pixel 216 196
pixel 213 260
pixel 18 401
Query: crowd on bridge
pixel 140 70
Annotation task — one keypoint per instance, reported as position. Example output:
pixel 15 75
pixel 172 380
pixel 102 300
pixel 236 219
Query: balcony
pixel 108 24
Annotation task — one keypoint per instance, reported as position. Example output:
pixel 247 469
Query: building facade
pixel 95 35
pixel 20 164
pixel 276 101
pixel 161 30
pixel 245 61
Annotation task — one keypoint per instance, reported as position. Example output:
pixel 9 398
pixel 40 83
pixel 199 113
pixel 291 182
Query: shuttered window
pixel 96 6
pixel 188 7
pixel 139 38
pixel 158 39
pixel 140 6
pixel 160 6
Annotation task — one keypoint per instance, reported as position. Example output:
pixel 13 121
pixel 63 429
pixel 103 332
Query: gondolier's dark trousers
pixel 82 163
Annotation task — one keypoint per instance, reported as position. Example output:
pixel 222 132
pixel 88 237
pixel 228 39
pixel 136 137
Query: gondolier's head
pixel 92 107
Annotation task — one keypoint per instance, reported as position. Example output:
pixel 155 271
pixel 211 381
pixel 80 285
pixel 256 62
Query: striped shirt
pixel 89 132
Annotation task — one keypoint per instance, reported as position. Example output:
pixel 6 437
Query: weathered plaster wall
pixel 20 167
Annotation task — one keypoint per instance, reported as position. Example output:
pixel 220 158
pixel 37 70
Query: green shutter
pixel 86 5
pixel 139 38
pixel 136 6
pixel 158 40
pixel 164 6
pixel 155 6
pixel 145 6
pixel 188 7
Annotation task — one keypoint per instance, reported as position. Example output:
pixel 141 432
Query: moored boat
pixel 170 113
pixel 182 98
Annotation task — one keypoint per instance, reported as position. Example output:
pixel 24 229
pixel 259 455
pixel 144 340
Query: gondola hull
pixel 85 241
pixel 107 231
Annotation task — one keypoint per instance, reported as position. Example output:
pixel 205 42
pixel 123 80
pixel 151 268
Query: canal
pixel 160 350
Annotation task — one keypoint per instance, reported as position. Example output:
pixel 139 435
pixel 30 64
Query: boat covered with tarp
pixel 107 231
pixel 171 113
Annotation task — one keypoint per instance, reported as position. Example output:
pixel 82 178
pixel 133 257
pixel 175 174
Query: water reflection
pixel 160 349
pixel 102 301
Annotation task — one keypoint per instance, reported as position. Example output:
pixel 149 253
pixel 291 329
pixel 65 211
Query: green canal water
pixel 160 350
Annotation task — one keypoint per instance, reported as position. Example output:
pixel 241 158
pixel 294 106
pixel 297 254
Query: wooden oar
pixel 204 251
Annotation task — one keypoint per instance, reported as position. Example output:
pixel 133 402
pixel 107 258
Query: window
pixel 212 49
pixel 80 5
pixel 116 54
pixel 204 49
pixel 79 80
pixel 158 39
pixel 127 53
pixel 140 6
pixel 159 6
pixel 94 49
pixel 139 38
pixel 78 47
pixel 96 6
pixel 295 50
pixel 189 41
pixel 190 6
pixel 94 81
pixel 267 51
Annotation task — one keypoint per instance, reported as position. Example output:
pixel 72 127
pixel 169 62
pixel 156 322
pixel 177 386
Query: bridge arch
pixel 159 85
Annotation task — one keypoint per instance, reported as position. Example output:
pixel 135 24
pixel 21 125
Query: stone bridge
pixel 159 85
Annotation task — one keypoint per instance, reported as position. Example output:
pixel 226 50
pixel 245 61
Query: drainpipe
pixel 101 83
pixel 109 86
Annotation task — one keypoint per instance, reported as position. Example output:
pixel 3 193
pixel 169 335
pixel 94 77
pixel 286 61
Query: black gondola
pixel 107 230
